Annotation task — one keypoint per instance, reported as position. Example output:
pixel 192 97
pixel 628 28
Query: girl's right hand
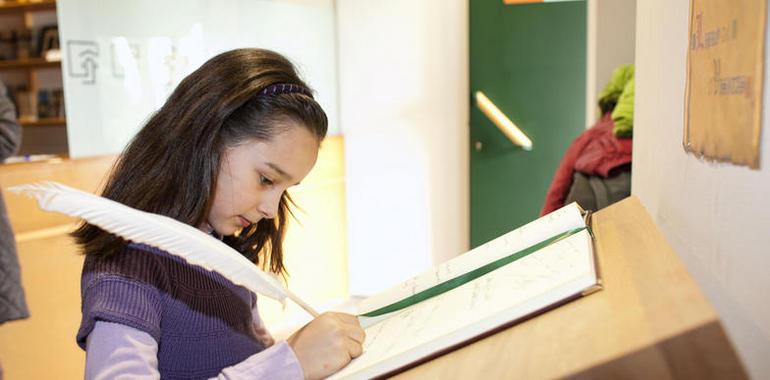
pixel 327 344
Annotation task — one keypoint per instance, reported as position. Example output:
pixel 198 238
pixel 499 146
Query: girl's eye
pixel 265 181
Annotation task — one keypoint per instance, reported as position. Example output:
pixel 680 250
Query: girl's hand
pixel 327 344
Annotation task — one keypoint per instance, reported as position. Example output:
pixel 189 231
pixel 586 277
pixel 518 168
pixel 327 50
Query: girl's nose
pixel 269 206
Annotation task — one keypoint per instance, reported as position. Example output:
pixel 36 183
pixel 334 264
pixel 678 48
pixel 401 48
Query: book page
pixel 550 275
pixel 561 220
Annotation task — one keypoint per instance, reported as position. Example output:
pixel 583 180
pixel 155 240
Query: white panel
pixel 404 104
pixel 123 58
pixel 716 215
pixel 610 43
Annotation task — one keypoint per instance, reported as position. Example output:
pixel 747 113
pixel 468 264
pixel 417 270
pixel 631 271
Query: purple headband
pixel 284 88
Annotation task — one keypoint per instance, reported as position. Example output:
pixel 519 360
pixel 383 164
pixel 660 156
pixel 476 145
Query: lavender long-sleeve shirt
pixel 117 351
pixel 150 314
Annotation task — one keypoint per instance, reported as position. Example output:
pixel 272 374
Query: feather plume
pixel 170 235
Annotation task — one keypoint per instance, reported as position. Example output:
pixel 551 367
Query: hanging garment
pixel 618 97
pixel 12 302
pixel 623 114
pixel 593 192
pixel 596 152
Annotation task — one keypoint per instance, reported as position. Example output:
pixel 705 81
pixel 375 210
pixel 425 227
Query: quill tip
pixel 29 190
pixel 33 189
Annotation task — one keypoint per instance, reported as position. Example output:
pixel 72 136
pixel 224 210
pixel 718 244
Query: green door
pixel 530 61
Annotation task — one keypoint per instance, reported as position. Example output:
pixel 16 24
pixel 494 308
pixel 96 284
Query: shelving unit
pixel 29 63
pixel 27 6
pixel 47 121
pixel 43 132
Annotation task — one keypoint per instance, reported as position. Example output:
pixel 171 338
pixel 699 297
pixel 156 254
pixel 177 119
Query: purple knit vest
pixel 201 321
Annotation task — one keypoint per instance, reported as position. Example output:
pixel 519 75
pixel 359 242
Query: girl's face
pixel 254 174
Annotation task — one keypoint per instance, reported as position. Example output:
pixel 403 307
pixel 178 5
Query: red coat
pixel 595 152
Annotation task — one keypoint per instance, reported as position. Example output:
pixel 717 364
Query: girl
pixel 219 155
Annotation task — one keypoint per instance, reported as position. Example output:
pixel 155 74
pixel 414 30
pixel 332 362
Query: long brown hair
pixel 171 166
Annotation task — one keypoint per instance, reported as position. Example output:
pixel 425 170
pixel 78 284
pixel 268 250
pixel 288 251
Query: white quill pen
pixel 170 235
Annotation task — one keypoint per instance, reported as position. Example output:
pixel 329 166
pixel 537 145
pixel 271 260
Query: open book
pixel 538 279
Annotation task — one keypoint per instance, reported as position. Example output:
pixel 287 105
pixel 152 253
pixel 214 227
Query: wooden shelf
pixel 29 71
pixel 31 63
pixel 27 6
pixel 54 121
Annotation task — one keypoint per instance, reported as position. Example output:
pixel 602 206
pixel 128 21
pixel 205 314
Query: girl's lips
pixel 244 222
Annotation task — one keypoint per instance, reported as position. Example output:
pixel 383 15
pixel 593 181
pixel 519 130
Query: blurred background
pixel 414 171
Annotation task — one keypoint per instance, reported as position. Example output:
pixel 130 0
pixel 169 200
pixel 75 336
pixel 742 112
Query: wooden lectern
pixel 649 322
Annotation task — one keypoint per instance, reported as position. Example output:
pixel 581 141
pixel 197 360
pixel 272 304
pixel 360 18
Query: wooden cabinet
pixel 30 66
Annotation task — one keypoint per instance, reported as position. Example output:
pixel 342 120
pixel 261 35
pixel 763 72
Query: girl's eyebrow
pixel 280 171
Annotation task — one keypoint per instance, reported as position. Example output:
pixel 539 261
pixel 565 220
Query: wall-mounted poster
pixel 725 66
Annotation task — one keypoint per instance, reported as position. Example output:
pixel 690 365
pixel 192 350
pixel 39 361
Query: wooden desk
pixel 649 322
pixel 43 346
pixel 87 174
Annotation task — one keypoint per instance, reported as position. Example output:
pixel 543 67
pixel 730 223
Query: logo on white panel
pixel 83 60
pixel 125 57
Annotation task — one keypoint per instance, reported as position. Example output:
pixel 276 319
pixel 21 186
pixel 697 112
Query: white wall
pixel 132 54
pixel 716 216
pixel 403 70
pixel 610 43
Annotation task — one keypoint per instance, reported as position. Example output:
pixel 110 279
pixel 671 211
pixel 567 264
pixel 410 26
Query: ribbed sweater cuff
pixel 121 300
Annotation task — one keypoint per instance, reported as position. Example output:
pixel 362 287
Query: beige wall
pixel 404 103
pixel 610 43
pixel 716 216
